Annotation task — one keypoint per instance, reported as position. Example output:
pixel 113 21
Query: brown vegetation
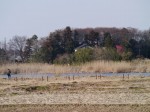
pixel 81 94
pixel 75 108
pixel 93 67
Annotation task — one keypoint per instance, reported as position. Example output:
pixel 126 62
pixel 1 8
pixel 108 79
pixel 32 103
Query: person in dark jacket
pixel 9 73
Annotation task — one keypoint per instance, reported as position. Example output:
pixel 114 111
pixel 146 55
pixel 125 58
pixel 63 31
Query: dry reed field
pixel 96 66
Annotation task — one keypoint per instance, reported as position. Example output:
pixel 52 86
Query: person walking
pixel 9 73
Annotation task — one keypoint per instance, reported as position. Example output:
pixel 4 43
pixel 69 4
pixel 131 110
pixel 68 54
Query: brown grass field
pixel 81 94
pixel 96 66
pixel 75 108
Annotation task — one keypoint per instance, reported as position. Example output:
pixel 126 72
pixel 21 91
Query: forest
pixel 78 45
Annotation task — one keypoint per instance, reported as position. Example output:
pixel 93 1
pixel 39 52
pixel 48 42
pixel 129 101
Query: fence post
pixel 47 78
pixel 42 78
pixel 96 76
pixel 73 77
pixel 128 76
pixel 123 77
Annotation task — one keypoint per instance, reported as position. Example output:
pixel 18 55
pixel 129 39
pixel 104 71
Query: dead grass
pixel 133 91
pixel 107 66
pixel 109 84
pixel 37 68
pixel 75 108
pixel 96 66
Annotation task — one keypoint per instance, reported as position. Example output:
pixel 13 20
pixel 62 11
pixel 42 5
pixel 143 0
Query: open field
pixel 81 90
pixel 96 66
pixel 78 94
pixel 75 108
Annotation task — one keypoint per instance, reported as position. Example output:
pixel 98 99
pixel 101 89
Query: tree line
pixel 68 46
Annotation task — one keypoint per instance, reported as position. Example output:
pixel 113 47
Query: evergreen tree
pixel 108 42
pixel 31 47
pixel 92 38
pixel 76 38
pixel 68 40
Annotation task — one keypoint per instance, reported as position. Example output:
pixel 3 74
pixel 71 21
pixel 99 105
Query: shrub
pixel 83 55
pixel 64 59
pixel 126 56
pixel 98 54
pixel 111 54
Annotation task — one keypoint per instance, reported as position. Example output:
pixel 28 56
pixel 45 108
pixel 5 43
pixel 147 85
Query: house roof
pixel 82 46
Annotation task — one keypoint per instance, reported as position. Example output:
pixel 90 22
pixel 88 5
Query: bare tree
pixel 17 43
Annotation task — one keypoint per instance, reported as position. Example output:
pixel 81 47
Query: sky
pixel 40 17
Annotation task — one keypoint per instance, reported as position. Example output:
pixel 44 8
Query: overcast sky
pixel 40 17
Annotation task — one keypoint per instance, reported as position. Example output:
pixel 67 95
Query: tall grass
pixel 37 68
pixel 107 66
pixel 95 66
pixel 117 67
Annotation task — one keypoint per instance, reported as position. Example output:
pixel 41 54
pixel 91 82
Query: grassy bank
pixel 96 66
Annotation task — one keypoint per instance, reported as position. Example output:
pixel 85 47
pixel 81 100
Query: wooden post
pixel 73 77
pixel 47 78
pixel 100 76
pixel 123 77
pixel 96 76
pixel 42 78
pixel 128 76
